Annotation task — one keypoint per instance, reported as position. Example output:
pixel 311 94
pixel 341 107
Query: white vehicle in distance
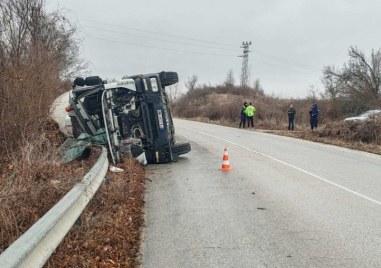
pixel 368 115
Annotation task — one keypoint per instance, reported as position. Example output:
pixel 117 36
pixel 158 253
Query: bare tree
pixel 173 93
pixel 37 50
pixel 191 83
pixel 331 83
pixel 27 29
pixel 229 81
pixel 258 90
pixel 357 82
pixel 313 94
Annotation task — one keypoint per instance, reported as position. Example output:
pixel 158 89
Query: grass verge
pixel 108 232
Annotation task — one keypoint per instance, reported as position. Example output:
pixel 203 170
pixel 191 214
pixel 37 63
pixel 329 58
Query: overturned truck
pixel 133 113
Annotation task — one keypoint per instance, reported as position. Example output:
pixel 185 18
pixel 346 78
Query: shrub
pixel 31 67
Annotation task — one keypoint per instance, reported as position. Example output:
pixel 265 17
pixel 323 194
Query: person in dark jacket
pixel 291 117
pixel 243 115
pixel 314 113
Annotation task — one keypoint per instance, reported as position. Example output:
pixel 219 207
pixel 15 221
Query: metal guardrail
pixel 36 245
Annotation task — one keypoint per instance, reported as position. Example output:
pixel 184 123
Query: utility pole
pixel 245 63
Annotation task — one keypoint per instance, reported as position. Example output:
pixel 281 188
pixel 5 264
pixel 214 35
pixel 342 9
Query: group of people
pixel 314 113
pixel 248 111
pixel 247 115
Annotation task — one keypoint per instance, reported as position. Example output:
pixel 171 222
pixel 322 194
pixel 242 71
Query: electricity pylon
pixel 245 63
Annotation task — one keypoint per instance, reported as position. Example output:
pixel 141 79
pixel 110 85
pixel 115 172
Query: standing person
pixel 243 115
pixel 291 117
pixel 314 112
pixel 250 111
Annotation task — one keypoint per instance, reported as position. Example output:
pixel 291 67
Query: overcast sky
pixel 292 40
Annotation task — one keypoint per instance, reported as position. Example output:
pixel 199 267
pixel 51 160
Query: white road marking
pixel 292 166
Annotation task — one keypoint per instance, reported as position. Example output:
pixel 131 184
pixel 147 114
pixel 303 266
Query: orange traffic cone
pixel 225 162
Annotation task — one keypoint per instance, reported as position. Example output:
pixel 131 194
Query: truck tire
pixel 168 78
pixel 150 156
pixel 79 81
pixel 181 148
pixel 93 81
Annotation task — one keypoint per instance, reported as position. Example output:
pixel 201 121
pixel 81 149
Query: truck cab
pixel 133 112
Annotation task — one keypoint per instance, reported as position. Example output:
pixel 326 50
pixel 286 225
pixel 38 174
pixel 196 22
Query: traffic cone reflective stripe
pixel 225 162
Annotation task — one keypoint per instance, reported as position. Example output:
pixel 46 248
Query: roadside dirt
pixel 323 136
pixel 108 232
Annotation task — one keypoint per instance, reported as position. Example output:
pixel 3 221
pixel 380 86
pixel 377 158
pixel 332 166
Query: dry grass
pixel 338 134
pixel 25 96
pixel 108 232
pixel 216 105
pixel 33 181
pixel 222 107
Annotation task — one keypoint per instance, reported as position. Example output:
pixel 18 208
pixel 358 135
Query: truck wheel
pixel 168 78
pixel 181 148
pixel 93 81
pixel 150 156
pixel 79 81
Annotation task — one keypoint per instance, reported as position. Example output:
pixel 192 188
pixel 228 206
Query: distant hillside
pixel 222 105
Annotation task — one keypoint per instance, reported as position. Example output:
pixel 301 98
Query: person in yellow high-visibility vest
pixel 250 111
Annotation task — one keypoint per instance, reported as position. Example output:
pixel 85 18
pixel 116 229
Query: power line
pixel 266 55
pixel 258 53
pixel 161 48
pixel 161 40
pixel 161 33
pixel 285 60
pixel 192 52
pixel 287 68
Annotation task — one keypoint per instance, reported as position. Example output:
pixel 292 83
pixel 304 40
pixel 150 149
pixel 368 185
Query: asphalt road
pixel 285 203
